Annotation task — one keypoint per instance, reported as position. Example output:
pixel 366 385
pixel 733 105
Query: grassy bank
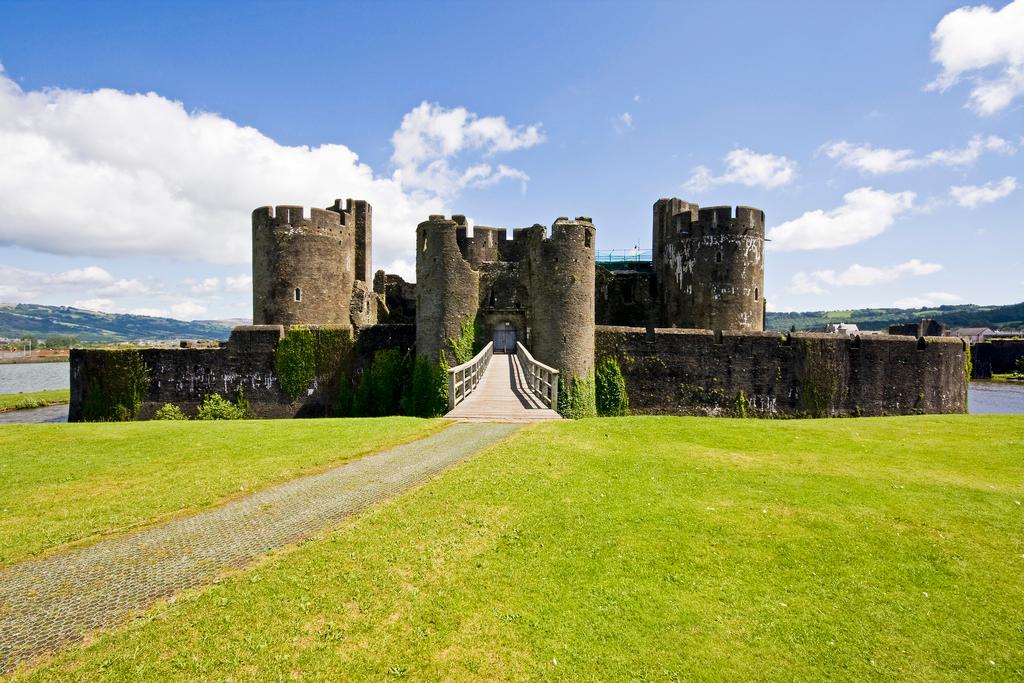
pixel 65 483
pixel 33 399
pixel 640 548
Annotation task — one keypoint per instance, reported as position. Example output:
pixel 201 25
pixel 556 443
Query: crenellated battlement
pixel 744 221
pixel 329 220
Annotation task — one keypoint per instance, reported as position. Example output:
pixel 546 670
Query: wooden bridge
pixel 496 387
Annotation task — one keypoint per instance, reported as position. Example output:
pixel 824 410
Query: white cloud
pixel 865 213
pixel 99 305
pixel 970 196
pixel 879 160
pixel 207 285
pixel 625 121
pixel 109 173
pixel 402 268
pixel 858 276
pixel 18 285
pixel 187 310
pixel 124 287
pixel 745 167
pixel 430 136
pixel 238 283
pixel 985 45
pixel 927 300
pixel 636 98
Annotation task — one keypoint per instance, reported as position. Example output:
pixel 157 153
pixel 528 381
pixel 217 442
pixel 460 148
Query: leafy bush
pixel 380 389
pixel 429 393
pixel 216 407
pixel 169 411
pixel 1020 366
pixel 579 401
pixel 610 389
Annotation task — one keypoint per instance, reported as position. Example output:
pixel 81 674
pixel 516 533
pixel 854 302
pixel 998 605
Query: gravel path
pixel 51 603
pixel 35 415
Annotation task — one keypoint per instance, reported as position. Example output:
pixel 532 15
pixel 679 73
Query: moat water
pixel 23 377
pixel 983 398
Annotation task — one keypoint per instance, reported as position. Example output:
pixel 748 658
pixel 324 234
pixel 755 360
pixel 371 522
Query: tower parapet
pixel 303 268
pixel 710 265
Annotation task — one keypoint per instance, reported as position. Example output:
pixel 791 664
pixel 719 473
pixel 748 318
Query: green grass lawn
pixel 639 548
pixel 62 483
pixel 33 399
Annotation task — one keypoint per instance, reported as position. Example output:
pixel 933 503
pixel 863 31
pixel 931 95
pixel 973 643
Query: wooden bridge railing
pixel 462 379
pixel 540 378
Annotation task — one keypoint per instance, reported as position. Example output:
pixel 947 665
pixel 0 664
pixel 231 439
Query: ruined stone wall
pixel 996 356
pixel 699 372
pixel 247 361
pixel 303 269
pixel 561 283
pixel 625 297
pixel 447 288
pixel 709 266
pixel 399 298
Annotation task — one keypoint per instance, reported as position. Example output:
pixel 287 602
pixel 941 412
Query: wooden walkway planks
pixel 502 396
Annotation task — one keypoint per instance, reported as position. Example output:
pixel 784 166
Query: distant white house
pixel 973 334
pixel 841 328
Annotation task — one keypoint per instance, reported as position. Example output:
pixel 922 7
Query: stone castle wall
pixel 315 270
pixel 699 372
pixel 247 362
pixel 996 356
pixel 709 266
pixel 541 286
pixel 447 288
pixel 561 275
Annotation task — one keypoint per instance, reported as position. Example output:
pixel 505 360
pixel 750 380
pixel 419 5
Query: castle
pixel 686 326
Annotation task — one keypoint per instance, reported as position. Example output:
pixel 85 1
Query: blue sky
pixel 883 140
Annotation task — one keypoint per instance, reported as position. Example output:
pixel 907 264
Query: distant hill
pixel 18 320
pixel 967 315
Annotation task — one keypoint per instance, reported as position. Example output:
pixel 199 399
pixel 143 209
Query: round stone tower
pixel 302 268
pixel 562 285
pixel 710 266
pixel 447 288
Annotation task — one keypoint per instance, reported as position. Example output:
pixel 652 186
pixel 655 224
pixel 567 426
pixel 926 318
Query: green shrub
pixel 579 401
pixel 610 389
pixel 1020 366
pixel 118 380
pixel 741 404
pixel 381 386
pixel 169 411
pixel 428 396
pixel 216 407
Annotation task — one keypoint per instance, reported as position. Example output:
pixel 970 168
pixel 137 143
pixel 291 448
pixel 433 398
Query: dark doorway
pixel 504 339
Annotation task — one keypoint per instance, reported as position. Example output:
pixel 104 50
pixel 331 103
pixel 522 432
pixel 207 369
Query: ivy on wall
pixel 305 355
pixel 464 345
pixel 577 400
pixel 295 360
pixel 610 390
pixel 115 389
pixel 819 380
